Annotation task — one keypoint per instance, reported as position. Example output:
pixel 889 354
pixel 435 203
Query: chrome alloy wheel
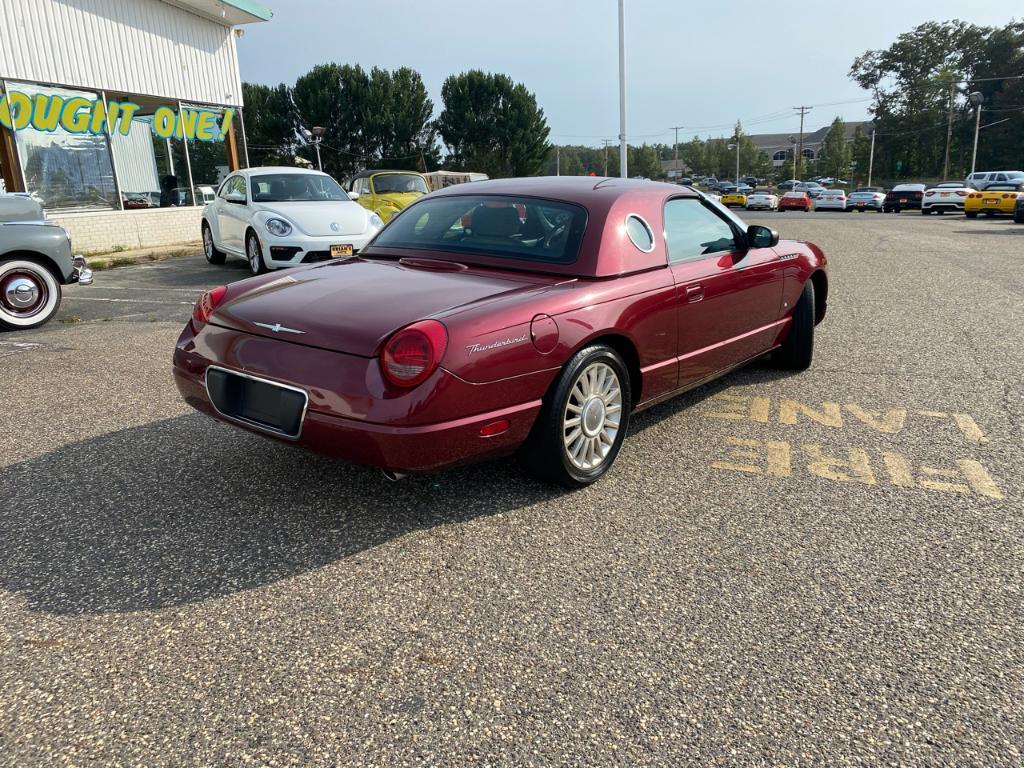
pixel 254 255
pixel 22 294
pixel 592 414
pixel 208 243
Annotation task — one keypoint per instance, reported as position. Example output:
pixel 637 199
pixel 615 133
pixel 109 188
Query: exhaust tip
pixel 391 476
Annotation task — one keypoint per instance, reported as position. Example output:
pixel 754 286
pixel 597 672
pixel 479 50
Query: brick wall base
pixel 104 231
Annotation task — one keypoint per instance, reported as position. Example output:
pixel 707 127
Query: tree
pixel 269 124
pixel 492 125
pixel 834 157
pixel 910 86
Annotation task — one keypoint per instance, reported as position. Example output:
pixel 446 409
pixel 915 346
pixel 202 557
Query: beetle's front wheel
pixel 581 427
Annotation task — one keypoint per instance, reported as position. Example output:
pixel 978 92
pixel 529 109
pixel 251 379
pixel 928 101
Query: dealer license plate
pixel 903 199
pixel 990 201
pixel 337 251
pixel 860 205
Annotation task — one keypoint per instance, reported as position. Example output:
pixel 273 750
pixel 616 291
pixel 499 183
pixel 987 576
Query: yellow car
pixel 734 198
pixel 386 192
pixel 997 198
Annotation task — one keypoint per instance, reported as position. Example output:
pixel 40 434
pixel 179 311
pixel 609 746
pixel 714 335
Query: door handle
pixel 694 293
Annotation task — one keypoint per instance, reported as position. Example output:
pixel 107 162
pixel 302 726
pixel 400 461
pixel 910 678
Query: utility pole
pixel 676 128
pixel 976 98
pixel 606 142
pixel 949 129
pixel 800 149
pixel 558 160
pixel 622 89
pixel 871 157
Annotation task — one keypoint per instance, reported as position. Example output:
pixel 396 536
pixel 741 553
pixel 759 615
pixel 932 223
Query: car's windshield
pixel 1015 175
pixel 948 185
pixel 503 227
pixel 295 187
pixel 1002 188
pixel 391 183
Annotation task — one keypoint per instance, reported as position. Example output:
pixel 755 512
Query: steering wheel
pixel 553 234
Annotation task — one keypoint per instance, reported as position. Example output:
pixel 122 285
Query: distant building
pixel 675 169
pixel 779 148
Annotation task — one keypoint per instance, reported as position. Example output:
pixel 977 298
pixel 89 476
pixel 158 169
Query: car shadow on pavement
pixel 187 509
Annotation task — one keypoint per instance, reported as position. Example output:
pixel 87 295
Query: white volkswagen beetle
pixel 283 217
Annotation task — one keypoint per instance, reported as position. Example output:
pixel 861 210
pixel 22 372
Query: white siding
pixel 145 47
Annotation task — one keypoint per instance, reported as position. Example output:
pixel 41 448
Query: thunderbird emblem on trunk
pixel 277 328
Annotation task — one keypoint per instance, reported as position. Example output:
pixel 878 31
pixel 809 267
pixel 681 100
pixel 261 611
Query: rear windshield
pixel 497 226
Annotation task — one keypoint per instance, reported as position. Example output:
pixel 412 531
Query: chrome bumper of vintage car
pixel 83 275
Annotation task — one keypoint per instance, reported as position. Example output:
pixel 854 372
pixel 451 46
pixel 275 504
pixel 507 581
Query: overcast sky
pixel 701 65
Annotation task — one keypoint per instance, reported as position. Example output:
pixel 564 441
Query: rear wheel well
pixel 627 351
pixel 820 283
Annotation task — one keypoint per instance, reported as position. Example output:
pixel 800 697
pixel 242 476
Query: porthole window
pixel 639 233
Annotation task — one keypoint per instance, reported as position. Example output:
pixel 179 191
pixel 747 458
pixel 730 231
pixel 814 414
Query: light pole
pixel 318 135
pixel 796 160
pixel 976 98
pixel 736 145
pixel 871 157
pixel 622 88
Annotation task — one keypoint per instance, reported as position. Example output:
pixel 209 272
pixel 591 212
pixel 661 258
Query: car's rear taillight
pixel 207 303
pixel 929 193
pixel 917 195
pixel 961 193
pixel 412 354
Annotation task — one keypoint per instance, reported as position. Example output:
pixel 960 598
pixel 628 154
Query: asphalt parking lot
pixel 811 569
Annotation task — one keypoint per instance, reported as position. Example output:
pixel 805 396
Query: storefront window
pixel 152 171
pixel 209 161
pixel 62 169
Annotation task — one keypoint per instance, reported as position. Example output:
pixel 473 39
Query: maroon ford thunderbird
pixel 516 315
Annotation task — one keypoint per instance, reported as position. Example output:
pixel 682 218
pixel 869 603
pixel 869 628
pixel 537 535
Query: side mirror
pixel 236 199
pixel 761 237
pixel 353 195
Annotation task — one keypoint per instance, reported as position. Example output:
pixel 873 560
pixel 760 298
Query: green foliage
pixel 269 123
pixel 492 125
pixel 910 84
pixel 835 154
pixel 371 120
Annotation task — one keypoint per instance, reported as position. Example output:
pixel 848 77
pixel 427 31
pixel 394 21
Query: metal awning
pixel 226 12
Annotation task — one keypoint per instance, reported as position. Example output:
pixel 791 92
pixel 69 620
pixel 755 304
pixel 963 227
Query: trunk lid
pixel 352 306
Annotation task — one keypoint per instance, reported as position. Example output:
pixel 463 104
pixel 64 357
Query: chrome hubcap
pixel 22 294
pixel 254 255
pixel 592 414
pixel 208 243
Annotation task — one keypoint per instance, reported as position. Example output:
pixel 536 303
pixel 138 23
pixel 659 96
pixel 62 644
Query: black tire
pixel 254 254
pixel 30 294
pixel 941 211
pixel 213 256
pixel 971 214
pixel 924 212
pixel 1018 219
pixel 545 454
pixel 990 214
pixel 797 350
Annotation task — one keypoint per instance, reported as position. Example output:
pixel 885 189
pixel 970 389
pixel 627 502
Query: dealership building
pixel 122 116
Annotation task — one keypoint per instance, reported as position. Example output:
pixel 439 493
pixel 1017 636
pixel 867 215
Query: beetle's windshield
pixel 497 226
pixel 391 183
pixel 295 187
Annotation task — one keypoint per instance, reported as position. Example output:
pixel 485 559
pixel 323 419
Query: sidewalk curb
pixel 104 261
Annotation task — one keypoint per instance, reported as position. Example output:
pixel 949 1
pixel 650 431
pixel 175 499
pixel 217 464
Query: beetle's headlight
pixel 279 227
pixel 376 221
